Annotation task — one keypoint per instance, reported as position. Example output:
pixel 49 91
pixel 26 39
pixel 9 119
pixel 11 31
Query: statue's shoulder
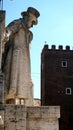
pixel 14 22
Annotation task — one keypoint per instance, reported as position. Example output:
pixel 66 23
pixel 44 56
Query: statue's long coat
pixel 17 62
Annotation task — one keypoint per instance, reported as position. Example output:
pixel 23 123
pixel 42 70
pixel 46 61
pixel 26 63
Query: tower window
pixel 68 91
pixel 64 63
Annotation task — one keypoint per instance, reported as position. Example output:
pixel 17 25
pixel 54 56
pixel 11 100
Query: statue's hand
pixel 6 36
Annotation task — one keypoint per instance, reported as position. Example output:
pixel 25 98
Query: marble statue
pixel 16 58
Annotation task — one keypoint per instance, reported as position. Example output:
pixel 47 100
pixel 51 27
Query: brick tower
pixel 57 82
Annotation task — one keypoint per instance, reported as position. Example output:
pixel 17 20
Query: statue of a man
pixel 16 64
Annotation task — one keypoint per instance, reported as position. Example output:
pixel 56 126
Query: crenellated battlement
pixel 53 47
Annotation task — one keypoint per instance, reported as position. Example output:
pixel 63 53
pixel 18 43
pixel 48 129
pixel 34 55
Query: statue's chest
pixel 22 38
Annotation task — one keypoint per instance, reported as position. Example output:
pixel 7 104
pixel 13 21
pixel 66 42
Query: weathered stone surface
pixel 41 118
pixel 43 112
pixel 2 29
pixel 19 117
pixel 15 117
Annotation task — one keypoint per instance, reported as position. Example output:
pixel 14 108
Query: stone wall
pixel 19 117
pixel 43 118
pixel 2 29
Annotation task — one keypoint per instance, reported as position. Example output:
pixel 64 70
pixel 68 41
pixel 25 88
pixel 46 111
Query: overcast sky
pixel 55 26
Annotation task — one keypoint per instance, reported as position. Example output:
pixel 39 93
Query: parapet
pixel 46 47
pixel 53 47
pixel 60 47
pixel 67 47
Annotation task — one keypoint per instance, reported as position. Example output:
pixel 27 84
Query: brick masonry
pixel 57 82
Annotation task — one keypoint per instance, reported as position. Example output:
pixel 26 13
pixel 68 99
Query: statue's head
pixel 31 16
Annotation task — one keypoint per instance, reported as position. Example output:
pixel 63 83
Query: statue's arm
pixel 12 28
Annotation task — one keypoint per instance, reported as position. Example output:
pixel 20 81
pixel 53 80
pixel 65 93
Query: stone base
pixel 20 117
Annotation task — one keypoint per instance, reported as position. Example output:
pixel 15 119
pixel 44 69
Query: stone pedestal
pixel 43 118
pixel 20 117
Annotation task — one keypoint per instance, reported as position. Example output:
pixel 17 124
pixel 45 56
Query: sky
pixel 55 27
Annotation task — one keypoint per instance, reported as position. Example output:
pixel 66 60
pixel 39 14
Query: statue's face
pixel 32 20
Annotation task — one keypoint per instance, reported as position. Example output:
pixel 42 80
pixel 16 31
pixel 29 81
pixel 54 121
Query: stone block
pixel 20 117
